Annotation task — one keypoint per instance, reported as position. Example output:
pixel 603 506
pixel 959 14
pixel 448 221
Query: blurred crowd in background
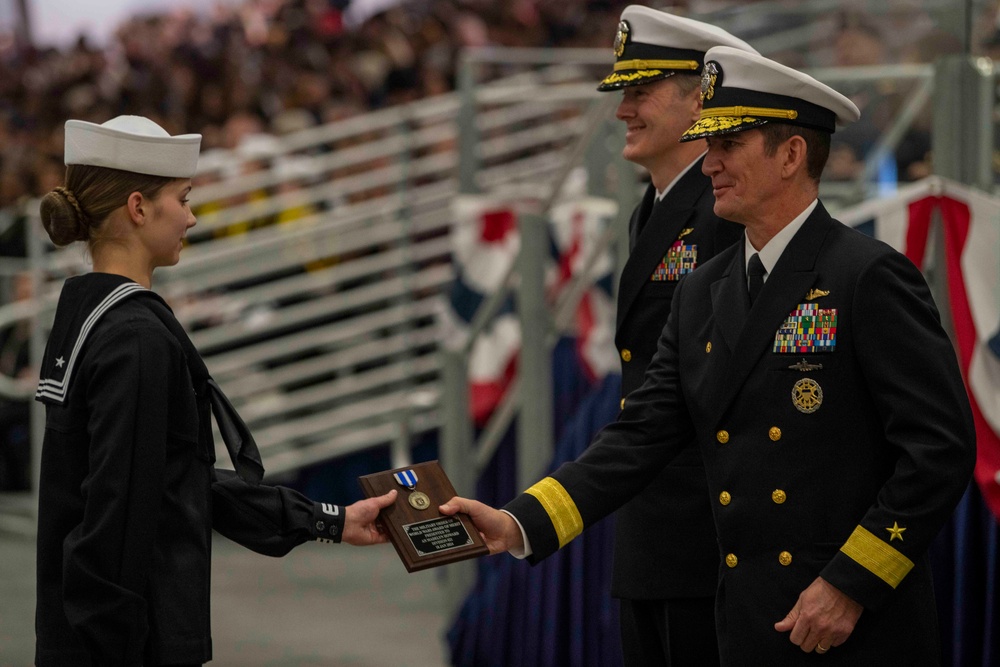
pixel 281 65
pixel 263 66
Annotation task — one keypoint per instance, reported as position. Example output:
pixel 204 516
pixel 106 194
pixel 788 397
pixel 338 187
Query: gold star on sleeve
pixel 895 532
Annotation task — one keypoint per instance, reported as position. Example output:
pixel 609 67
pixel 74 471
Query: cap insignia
pixel 709 77
pixel 621 38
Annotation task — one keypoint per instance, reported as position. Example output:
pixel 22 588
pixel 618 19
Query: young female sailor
pixel 128 494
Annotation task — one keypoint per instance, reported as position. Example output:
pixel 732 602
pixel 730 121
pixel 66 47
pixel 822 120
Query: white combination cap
pixel 132 143
pixel 741 90
pixel 652 45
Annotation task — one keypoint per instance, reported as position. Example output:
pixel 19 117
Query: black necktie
pixel 755 272
pixel 644 215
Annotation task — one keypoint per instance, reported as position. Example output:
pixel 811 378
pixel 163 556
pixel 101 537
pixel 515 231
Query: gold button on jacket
pixel 778 496
pixel 732 560
pixel 626 355
pixel 774 434
pixel 785 558
pixel 725 498
pixel 722 436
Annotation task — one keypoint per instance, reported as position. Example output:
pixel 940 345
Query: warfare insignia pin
pixel 816 293
pixel 807 396
pixel 709 77
pixel 805 366
pixel 621 38
pixel 685 232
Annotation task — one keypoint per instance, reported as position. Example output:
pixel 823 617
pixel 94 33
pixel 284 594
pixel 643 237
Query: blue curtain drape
pixel 559 613
pixel 965 557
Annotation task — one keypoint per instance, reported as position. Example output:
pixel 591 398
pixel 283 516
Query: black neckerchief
pixel 239 441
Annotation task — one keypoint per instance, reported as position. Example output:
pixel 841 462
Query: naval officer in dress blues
pixel 664 578
pixel 829 408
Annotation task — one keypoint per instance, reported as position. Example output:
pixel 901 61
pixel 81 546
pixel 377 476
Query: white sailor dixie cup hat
pixel 741 90
pixel 652 45
pixel 132 143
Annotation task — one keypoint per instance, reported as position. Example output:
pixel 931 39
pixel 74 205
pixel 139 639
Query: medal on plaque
pixel 407 478
pixel 421 535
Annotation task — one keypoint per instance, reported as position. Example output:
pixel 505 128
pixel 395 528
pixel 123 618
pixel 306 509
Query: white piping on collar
pixel 56 390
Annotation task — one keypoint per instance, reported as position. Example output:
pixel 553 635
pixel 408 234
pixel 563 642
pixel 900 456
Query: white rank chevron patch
pixel 56 389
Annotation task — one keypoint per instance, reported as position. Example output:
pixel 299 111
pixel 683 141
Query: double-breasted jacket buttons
pixel 732 560
pixel 785 558
pixel 774 434
pixel 722 436
pixel 626 355
pixel 725 498
pixel 779 496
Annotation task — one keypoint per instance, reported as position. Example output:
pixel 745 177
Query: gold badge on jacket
pixel 807 396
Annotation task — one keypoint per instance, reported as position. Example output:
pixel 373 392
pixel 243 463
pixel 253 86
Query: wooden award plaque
pixel 422 536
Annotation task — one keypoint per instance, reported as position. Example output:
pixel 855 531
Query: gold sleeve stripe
pixel 714 112
pixel 877 556
pixel 560 507
pixel 656 64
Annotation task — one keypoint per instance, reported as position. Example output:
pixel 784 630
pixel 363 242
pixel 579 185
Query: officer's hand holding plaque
pixel 422 536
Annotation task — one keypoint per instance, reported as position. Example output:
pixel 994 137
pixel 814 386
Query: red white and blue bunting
pixel 971 229
pixel 485 245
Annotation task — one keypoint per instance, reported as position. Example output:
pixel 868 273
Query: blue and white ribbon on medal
pixel 406 478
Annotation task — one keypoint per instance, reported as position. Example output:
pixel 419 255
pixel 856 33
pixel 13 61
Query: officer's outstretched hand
pixel 499 530
pixel 359 520
pixel 823 617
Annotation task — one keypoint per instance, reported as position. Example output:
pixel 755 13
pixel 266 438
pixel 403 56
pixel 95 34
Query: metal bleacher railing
pixel 313 281
pixel 315 277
